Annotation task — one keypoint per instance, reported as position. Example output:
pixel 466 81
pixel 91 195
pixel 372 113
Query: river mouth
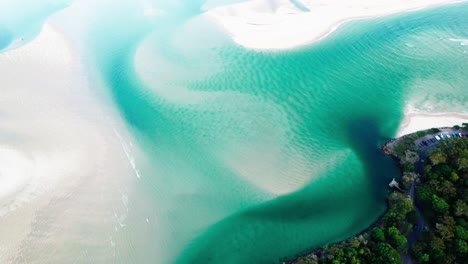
pixel 197 148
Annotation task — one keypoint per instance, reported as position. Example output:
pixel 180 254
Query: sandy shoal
pixel 63 170
pixel 416 121
pixel 280 24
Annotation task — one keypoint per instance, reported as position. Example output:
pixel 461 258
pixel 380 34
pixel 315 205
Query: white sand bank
pixel 419 121
pixel 280 24
pixel 64 176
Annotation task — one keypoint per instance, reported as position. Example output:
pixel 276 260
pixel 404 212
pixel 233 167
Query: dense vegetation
pixel 440 193
pixel 382 244
pixel 407 142
pixel 443 198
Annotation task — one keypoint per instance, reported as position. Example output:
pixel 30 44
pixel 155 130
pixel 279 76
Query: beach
pixel 62 166
pixel 416 121
pixel 285 24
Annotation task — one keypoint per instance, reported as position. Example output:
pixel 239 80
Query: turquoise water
pixel 21 20
pixel 257 156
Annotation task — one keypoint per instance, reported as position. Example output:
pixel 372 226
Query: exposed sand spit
pixel 285 24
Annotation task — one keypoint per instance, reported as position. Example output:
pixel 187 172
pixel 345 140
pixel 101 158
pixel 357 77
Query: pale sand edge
pixel 61 133
pixel 278 37
pixel 416 121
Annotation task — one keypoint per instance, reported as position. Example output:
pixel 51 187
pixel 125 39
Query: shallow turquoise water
pixel 21 20
pixel 257 156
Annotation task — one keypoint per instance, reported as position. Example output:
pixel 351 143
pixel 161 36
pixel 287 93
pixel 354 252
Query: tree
pixel 461 232
pixel 447 189
pixel 454 177
pixel 401 243
pixel 444 170
pixel 461 247
pixel 421 133
pixel 462 163
pixel 377 234
pixel 394 197
pixel 355 243
pixel 393 217
pixel 397 239
pixel 435 185
pixel 408 179
pixel 439 205
pixel 333 250
pixel 405 206
pixel 385 254
pixel 392 232
pixel 437 244
pixel 419 249
pixel 425 258
pixel 460 208
pixel 438 157
pixel 446 228
pixel 410 157
pixel 340 255
pixel 425 194
pixel 409 167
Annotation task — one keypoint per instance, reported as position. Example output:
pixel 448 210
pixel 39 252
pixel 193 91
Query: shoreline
pixel 280 25
pixel 417 121
pixel 388 148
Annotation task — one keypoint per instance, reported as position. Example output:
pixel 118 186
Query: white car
pixel 437 137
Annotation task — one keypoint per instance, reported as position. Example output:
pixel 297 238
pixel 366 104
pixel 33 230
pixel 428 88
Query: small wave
pixel 463 42
pixel 127 151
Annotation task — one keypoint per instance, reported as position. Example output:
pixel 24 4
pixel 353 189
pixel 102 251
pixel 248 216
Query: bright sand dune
pixel 419 121
pixel 284 24
pixel 63 171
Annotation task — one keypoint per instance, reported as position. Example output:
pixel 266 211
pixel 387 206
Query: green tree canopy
pixel 439 204
pixel 437 157
pixel 385 254
pixel 377 234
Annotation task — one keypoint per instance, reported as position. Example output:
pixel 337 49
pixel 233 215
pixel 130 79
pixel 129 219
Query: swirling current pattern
pixel 255 156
